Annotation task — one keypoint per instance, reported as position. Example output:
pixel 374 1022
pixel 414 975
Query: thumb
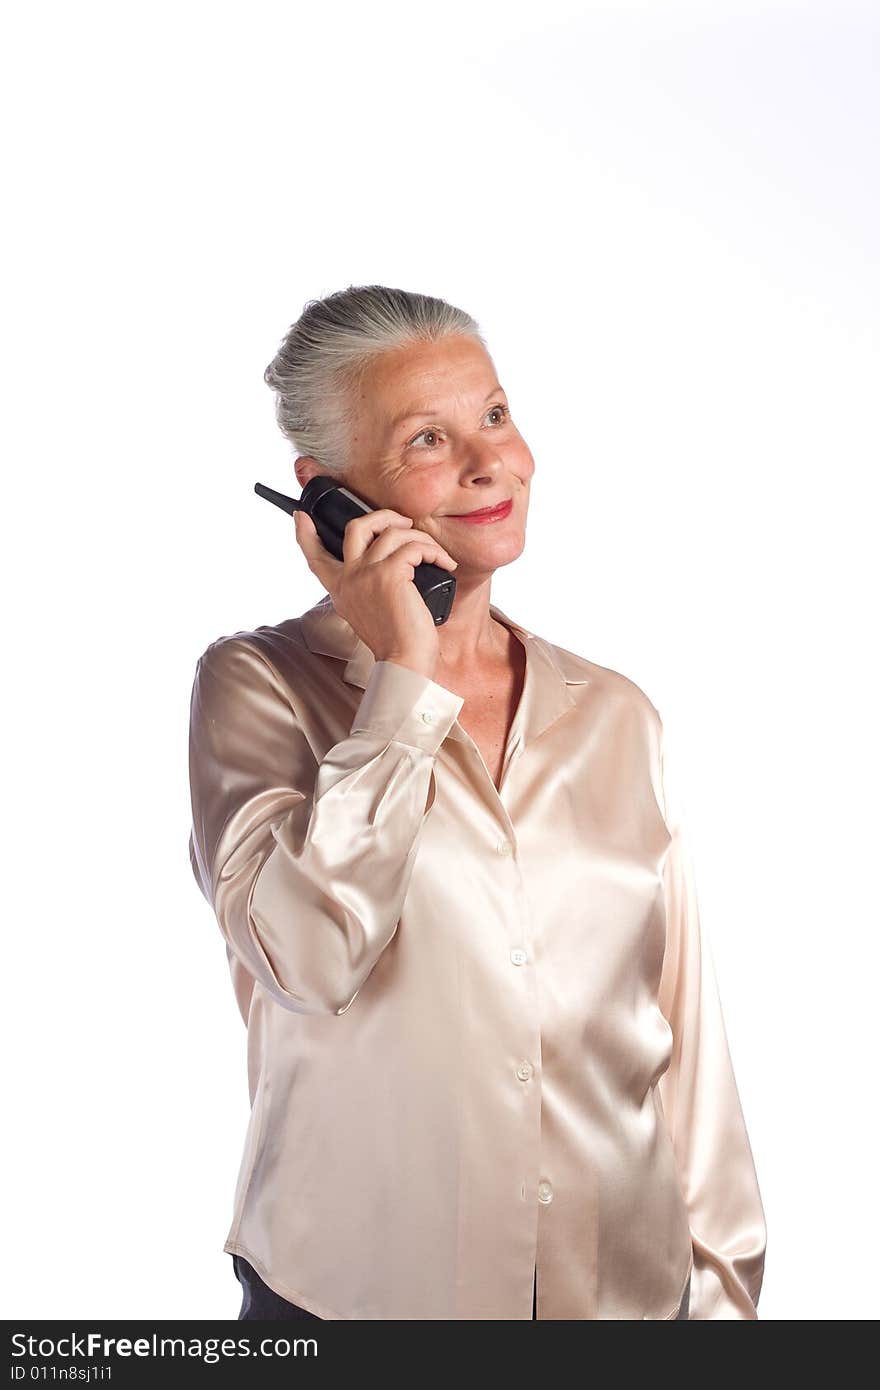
pixel 308 539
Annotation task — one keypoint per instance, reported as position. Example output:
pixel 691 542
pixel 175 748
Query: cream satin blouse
pixel 484 1034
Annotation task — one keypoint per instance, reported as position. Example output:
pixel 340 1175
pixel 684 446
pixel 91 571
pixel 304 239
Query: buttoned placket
pixel 526 1076
pixel 536 1185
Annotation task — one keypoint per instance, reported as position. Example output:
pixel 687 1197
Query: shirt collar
pixel 550 671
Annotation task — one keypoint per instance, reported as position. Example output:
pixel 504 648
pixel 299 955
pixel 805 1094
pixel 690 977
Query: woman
pixel 488 1068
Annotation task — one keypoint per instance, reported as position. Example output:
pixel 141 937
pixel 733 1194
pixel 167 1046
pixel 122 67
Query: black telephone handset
pixel 332 507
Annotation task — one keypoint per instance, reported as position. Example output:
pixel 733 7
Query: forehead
pixel 423 376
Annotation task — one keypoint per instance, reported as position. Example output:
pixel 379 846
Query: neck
pixel 471 637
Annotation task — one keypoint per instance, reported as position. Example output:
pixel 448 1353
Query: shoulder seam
pixel 242 639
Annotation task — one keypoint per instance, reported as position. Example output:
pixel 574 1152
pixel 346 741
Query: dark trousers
pixel 260 1301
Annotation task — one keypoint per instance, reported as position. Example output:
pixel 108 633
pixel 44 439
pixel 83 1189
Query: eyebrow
pixel 412 413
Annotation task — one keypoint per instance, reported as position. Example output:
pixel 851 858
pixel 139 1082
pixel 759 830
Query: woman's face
pixel 457 450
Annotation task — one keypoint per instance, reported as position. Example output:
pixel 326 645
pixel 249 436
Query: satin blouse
pixel 483 1026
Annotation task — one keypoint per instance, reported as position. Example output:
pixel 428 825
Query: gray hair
pixel 320 363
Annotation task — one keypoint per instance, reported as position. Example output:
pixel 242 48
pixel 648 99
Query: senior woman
pixel 488 1068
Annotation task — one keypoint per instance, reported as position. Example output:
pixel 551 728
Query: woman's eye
pixel 502 410
pixel 421 436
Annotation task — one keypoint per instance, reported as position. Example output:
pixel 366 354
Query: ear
pixel 305 468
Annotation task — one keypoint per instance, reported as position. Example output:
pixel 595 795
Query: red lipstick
pixel 485 514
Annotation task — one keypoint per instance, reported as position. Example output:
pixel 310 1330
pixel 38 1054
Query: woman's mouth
pixel 484 514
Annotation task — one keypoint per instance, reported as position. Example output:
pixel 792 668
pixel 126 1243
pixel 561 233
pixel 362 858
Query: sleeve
pixel 307 864
pixel 700 1099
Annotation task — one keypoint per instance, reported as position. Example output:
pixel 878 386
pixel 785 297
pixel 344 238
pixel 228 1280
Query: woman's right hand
pixel 372 588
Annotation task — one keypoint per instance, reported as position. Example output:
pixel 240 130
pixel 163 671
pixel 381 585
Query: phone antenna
pixel 287 504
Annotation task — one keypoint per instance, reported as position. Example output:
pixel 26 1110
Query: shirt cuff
pixel 401 704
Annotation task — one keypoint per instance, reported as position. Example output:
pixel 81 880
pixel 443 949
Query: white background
pixel 665 219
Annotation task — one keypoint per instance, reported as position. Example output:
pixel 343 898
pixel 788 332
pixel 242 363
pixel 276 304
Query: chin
pixel 492 558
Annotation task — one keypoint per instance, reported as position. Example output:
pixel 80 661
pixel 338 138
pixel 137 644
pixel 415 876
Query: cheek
pixel 523 462
pixel 421 499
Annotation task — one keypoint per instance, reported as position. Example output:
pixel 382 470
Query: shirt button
pixel 524 1071
pixel 519 956
pixel 505 847
pixel 545 1191
pixel 429 716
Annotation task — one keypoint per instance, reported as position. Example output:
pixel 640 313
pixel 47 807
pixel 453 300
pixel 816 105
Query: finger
pixel 304 525
pixel 321 562
pixel 421 551
pixel 432 546
pixel 391 537
pixel 361 531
